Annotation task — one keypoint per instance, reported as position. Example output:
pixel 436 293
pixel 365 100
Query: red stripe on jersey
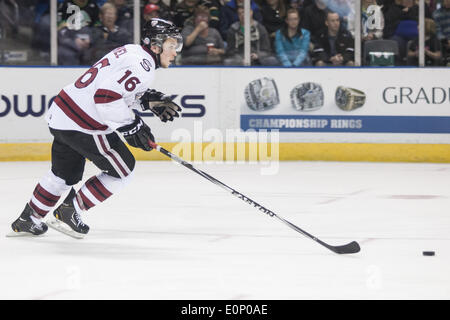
pixel 74 112
pixel 106 96
pixel 87 204
pixel 102 143
pixel 37 209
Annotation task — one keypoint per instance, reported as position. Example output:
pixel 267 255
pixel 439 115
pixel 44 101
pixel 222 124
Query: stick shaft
pixel 349 248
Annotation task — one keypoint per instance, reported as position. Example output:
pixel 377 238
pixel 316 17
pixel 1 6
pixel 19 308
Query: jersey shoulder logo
pixel 146 65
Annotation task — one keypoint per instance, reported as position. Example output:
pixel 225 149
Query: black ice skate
pixel 25 226
pixel 67 219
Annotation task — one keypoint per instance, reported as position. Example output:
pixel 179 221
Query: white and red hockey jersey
pixel 102 99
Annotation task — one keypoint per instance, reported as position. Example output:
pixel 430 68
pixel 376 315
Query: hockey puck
pixel 428 253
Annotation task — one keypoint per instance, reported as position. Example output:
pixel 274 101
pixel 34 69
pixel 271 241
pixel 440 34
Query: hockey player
pixel 84 120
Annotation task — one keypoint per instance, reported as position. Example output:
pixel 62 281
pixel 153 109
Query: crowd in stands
pixel 288 33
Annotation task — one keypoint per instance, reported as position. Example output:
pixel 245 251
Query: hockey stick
pixel 351 247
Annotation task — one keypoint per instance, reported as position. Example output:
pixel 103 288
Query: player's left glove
pixel 160 104
pixel 137 134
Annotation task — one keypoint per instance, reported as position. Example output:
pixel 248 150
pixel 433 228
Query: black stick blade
pixel 352 247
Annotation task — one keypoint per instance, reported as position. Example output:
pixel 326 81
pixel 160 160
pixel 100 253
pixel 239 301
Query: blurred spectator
pixel 432 4
pixel 124 14
pixel 273 13
pixel 229 15
pixel 314 18
pixel 335 45
pixel 346 11
pixel 260 43
pixel 172 5
pixel 433 52
pixel 124 10
pixel 9 18
pixel 76 14
pixel 214 7
pixel 164 11
pixel 108 35
pixel 214 13
pixel 42 7
pixel 75 21
pixel 202 44
pixel 292 42
pixel 150 11
pixel 341 7
pixel 41 28
pixel 392 13
pixel 442 19
pixel 73 45
pixel 300 5
pixel 183 11
pixel 407 27
pixel 411 9
pixel 306 3
pixel 372 23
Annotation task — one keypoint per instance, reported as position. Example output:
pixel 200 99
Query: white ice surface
pixel 171 234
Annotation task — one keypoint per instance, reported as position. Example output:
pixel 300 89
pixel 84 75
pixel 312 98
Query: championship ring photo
pixel 307 96
pixel 349 99
pixel 262 94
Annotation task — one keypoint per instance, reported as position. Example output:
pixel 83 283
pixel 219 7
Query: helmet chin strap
pixel 156 56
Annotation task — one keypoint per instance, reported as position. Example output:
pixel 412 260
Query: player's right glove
pixel 160 104
pixel 137 134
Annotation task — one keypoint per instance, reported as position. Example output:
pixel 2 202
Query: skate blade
pixel 14 234
pixel 63 228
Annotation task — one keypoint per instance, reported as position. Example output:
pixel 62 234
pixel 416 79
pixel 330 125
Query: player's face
pixel 169 52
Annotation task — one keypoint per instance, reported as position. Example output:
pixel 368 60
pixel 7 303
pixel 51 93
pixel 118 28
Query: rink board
pixel 437 153
pixel 405 115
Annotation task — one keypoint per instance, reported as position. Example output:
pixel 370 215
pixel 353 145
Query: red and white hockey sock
pixel 97 189
pixel 47 193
